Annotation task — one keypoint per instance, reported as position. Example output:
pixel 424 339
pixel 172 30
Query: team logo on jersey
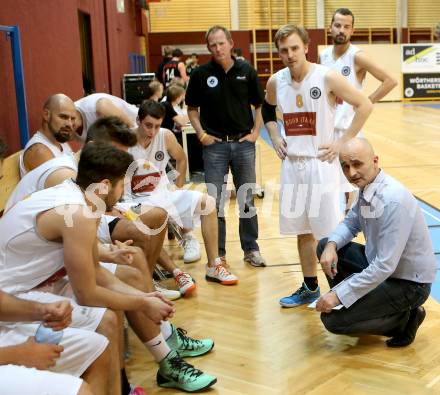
pixel 345 71
pixel 212 81
pixel 300 123
pixel 315 93
pixel 299 101
pixel 159 156
pixel 146 165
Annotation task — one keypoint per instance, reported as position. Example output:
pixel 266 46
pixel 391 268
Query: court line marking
pixel 284 264
pixel 431 215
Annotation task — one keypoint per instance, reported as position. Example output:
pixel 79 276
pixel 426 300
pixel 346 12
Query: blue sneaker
pixel 302 296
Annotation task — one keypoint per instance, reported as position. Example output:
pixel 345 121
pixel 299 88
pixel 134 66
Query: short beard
pixel 345 41
pixel 61 138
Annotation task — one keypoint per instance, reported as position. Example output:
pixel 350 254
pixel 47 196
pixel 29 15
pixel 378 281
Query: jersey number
pixel 169 73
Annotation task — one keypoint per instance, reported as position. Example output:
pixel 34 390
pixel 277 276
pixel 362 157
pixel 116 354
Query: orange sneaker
pixel 185 282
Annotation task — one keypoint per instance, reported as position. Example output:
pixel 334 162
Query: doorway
pixel 85 35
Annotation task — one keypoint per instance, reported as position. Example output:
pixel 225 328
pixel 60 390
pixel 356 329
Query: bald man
pixel 57 127
pixel 382 285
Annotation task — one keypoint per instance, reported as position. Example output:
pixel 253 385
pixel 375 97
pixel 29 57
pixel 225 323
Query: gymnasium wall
pixel 51 53
pixel 371 13
pixel 389 54
pixel 195 42
pixel 197 15
pixel 423 13
pixel 50 48
pixel 188 15
pixel 191 42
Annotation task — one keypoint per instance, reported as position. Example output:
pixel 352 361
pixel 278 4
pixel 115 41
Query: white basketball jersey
pixel 35 180
pixel 307 114
pixel 148 172
pixel 344 65
pixel 87 107
pixel 40 138
pixel 26 258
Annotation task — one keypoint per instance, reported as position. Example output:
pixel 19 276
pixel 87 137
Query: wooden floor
pixel 261 348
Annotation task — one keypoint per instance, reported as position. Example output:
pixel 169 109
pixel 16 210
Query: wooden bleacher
pixel 11 177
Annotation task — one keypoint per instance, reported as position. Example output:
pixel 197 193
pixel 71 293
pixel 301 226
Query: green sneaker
pixel 187 346
pixel 174 372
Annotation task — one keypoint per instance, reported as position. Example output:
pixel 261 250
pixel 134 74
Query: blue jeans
pixel 240 157
pixel 384 310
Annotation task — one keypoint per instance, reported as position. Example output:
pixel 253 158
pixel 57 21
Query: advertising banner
pixel 420 58
pixel 421 86
pixel 421 71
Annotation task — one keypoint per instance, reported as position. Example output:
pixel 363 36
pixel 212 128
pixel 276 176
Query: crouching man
pixel 391 276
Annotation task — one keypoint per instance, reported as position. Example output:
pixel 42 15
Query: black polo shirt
pixel 224 99
pixel 170 113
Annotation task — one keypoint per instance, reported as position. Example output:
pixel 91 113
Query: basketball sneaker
pixel 302 295
pixel 187 346
pixel 170 294
pixel 185 282
pixel 174 372
pixel 220 274
pixel 191 249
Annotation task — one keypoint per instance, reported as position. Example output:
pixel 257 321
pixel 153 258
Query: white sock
pixel 166 329
pixel 158 347
pixel 217 261
pixel 176 271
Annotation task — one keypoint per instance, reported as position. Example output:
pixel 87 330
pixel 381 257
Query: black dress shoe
pixel 407 336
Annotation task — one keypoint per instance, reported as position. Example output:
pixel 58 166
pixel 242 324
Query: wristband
pixel 268 112
pixel 203 137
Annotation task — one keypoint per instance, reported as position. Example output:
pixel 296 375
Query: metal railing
pixel 13 34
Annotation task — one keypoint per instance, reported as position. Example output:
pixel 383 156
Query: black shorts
pixel 112 224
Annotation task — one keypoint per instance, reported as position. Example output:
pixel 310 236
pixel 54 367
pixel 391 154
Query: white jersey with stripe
pixel 344 65
pixel 26 258
pixel 35 180
pixel 87 108
pixel 40 138
pixel 148 172
pixel 308 116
